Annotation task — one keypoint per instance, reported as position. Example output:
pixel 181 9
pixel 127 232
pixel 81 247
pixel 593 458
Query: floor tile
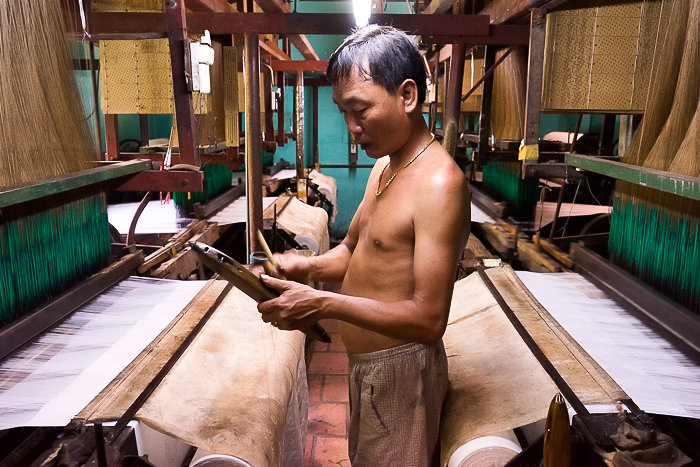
pixel 328 364
pixel 321 347
pixel 327 419
pixel 315 383
pixel 308 450
pixel 331 452
pixel 335 389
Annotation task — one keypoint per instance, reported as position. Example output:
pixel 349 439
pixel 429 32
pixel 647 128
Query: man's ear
pixel 409 92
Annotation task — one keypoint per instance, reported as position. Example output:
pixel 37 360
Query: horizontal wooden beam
pixel 166 181
pixel 300 65
pixel 677 184
pixel 63 183
pixel 499 34
pixel 282 23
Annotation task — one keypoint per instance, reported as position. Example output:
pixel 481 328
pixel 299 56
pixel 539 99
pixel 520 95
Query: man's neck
pixel 418 138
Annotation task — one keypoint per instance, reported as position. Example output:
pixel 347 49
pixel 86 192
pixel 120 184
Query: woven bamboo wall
pixel 136 78
pixel 128 5
pixel 598 55
pixel 473 71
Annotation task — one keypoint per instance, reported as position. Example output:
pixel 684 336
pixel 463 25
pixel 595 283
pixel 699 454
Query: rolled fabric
pixel 204 458
pixel 308 225
pixel 487 451
pixel 308 242
pixel 328 186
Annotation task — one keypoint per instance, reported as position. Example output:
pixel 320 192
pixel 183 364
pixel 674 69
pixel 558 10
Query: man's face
pixel 371 113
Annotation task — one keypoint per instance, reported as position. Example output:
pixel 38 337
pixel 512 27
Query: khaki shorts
pixel 396 397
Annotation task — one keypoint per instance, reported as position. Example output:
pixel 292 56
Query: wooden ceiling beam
pixel 299 65
pixel 439 6
pixel 273 49
pixel 291 24
pixel 215 6
pixel 299 41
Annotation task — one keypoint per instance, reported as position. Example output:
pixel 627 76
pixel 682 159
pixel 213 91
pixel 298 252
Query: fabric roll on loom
pixel 496 449
pixel 328 186
pixel 496 383
pixel 308 224
pixel 204 458
pixel 248 399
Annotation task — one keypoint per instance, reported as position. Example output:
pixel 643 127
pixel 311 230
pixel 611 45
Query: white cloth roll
pixel 307 223
pixel 487 451
pixel 308 242
pixel 328 186
pixel 204 458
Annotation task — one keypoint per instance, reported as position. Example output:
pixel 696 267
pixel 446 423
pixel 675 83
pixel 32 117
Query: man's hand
pixel 297 308
pixel 293 267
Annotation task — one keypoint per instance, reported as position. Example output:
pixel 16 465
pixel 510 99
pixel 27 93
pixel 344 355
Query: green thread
pixel 660 246
pixel 43 254
pixel 504 179
pixel 218 179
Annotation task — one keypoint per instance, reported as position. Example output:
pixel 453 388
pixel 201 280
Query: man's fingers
pixel 276 284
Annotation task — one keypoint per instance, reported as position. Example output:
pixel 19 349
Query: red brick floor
pixel 329 410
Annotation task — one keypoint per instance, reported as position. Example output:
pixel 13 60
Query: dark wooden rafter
pixel 510 11
pixel 216 6
pixel 300 65
pixel 272 48
pixel 298 39
pixel 298 23
pixel 499 34
pixel 439 6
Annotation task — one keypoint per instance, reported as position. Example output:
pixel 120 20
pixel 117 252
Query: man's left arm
pixel 440 236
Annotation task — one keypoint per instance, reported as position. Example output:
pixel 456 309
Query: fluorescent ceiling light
pixel 362 9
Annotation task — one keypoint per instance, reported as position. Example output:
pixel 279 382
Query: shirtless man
pixel 398 262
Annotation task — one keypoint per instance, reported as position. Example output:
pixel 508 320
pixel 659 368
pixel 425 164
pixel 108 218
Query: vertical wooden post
pixel 533 100
pixel 454 98
pixel 485 114
pixel 95 97
pixel 299 119
pixel 112 137
pixel 317 165
pixel 281 130
pixel 267 92
pixel 184 113
pixel 625 134
pixel 143 128
pixel 253 141
pixel 605 145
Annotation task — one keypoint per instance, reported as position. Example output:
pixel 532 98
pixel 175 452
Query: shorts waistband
pixel 386 354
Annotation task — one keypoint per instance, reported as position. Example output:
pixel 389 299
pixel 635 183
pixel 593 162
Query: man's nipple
pixel 377 243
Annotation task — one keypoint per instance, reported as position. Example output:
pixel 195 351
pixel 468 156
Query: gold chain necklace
pixel 379 182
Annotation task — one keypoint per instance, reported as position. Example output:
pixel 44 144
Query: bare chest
pixel 387 223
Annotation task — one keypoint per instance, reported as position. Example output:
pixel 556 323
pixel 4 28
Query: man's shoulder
pixel 443 173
